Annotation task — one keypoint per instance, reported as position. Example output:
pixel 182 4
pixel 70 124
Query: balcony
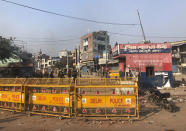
pixel 183 52
pixel 183 64
pixel 176 55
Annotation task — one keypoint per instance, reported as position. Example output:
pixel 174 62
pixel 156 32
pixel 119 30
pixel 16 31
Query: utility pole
pixel 106 57
pixel 67 65
pixel 79 61
pixel 144 37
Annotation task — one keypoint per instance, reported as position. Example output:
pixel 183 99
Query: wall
pixel 62 53
pixel 95 41
pixel 87 55
pixel 160 61
pixel 139 56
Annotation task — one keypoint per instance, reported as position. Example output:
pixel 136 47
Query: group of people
pixel 45 74
pixel 52 74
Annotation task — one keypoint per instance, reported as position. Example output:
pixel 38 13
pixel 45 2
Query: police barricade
pixel 12 94
pixel 106 98
pixel 49 96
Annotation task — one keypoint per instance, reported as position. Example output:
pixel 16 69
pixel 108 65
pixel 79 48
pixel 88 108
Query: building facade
pixel 179 60
pixel 92 47
pixel 63 53
pixel 146 61
pixel 75 58
pixel 42 61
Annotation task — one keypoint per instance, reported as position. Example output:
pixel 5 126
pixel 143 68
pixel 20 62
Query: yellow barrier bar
pixel 7 96
pixel 50 96
pixel 106 97
pixel 12 95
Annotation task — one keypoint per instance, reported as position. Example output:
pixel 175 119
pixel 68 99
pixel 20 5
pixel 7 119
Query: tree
pixel 7 50
pixel 23 55
pixel 63 62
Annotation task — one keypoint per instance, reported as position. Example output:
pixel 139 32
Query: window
pixel 85 48
pixel 85 44
pixel 183 59
pixel 184 70
pixel 101 47
pixel 101 38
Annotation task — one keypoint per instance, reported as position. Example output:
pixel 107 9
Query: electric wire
pixel 67 16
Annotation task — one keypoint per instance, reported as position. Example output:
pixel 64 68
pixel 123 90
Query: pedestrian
pixel 52 74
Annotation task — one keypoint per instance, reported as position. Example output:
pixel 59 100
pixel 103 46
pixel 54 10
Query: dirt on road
pixel 151 119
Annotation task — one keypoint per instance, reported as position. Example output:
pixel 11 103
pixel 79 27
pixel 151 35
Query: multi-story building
pixel 63 53
pixel 179 59
pixel 92 47
pixel 75 59
pixel 150 62
pixel 44 62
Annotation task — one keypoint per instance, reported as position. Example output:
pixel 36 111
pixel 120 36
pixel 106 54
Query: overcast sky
pixel 37 29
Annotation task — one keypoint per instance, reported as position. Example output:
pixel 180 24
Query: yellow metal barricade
pixel 107 98
pixel 49 96
pixel 12 94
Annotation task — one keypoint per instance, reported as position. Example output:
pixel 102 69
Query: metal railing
pixel 106 98
pixel 87 97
